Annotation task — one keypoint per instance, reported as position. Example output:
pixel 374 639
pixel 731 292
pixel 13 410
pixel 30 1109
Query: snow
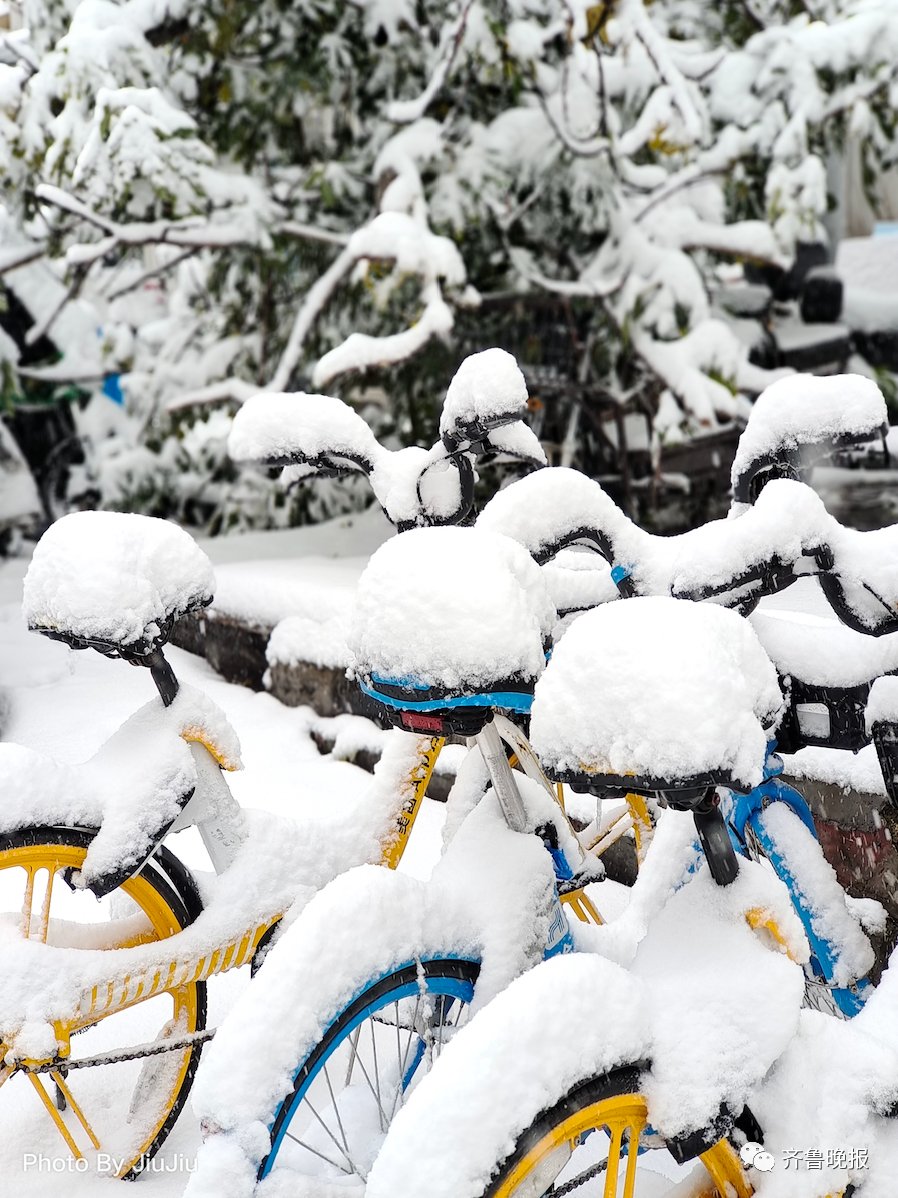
pixel 551 507
pixel 882 705
pixel 858 772
pixel 299 427
pixel 67 704
pixel 459 608
pixel 488 899
pixel 868 264
pixel 660 688
pixel 803 410
pixel 815 881
pixel 793 640
pixel 115 578
pixel 413 485
pixel 131 789
pixel 517 1056
pixel 487 387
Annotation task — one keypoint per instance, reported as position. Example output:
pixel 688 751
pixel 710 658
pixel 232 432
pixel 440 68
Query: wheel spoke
pixel 382 1112
pixel 354 1041
pixel 44 925
pixel 309 1148
pixel 374 1092
pixel 613 1163
pixel 27 900
pixel 336 1107
pixel 333 1139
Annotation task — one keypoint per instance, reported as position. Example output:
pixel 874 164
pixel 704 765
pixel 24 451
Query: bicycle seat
pixel 657 694
pixel 447 619
pixel 822 651
pixel 114 582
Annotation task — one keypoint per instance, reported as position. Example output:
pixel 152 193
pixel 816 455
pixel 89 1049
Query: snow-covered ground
pixel 65 704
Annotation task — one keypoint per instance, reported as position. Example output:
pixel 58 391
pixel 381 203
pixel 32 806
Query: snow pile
pixel 660 688
pixel 859 772
pixel 805 409
pixel 115 578
pixel 487 387
pixel 578 580
pixel 451 607
pixel 318 641
pixel 844 1073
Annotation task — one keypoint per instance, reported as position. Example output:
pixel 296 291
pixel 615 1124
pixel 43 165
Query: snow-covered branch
pixel 405 111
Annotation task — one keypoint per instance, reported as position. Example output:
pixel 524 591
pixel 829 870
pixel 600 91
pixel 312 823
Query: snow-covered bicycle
pixel 83 860
pixel 659 1066
pixel 422 648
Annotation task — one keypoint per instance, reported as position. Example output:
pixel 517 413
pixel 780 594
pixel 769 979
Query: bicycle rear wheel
pixel 596 1141
pixel 124 1109
pixel 351 1085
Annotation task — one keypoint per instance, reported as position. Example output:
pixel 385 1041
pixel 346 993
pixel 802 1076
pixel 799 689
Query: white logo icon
pixel 754 1154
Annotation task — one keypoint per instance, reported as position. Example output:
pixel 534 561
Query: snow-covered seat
pixel 114 582
pixel 656 694
pixel 822 651
pixel 449 618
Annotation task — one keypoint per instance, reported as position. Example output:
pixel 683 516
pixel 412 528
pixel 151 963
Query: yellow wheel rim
pixel 42 866
pixel 623 1117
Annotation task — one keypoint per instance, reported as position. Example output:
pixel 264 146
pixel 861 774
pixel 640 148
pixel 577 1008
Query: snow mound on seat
pixel 114 577
pixel 451 607
pixel 277 425
pixel 805 408
pixel 659 687
pixel 485 386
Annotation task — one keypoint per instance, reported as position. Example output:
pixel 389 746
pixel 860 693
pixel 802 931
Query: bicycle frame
pixel 745 821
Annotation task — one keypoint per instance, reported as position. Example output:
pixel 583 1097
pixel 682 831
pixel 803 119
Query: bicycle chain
pixel 580 1180
pixel 114 1058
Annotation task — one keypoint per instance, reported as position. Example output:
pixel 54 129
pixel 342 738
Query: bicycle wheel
pixel 351 1085
pixel 596 1141
pixel 126 1108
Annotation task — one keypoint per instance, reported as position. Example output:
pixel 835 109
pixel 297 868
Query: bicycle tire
pixel 442 979
pixel 161 893
pixel 611 1102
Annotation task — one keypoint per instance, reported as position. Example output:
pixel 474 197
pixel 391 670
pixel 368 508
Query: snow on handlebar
pixel 321 435
pixel 786 533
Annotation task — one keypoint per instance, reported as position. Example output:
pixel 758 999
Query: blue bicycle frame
pixel 743 818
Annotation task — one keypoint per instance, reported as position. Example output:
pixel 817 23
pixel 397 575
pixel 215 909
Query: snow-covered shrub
pixel 247 194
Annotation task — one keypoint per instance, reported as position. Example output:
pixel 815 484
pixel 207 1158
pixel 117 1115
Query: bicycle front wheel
pixel 597 1141
pixel 349 1088
pixel 109 1094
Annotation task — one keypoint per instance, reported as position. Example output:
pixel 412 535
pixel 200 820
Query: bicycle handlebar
pixel 787 534
pixel 319 435
pixel 800 420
